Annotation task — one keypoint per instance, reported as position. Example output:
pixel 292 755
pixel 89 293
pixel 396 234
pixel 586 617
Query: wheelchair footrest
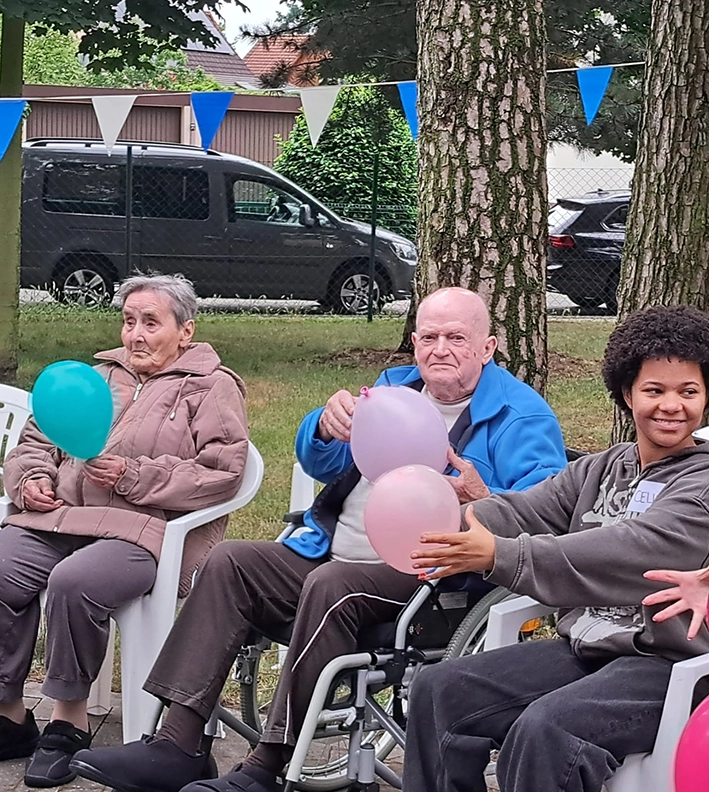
pixel 357 787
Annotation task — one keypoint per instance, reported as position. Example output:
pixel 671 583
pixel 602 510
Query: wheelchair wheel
pixel 325 768
pixel 469 638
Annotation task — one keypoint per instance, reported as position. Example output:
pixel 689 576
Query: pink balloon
pixel 692 757
pixel 394 426
pixel 403 504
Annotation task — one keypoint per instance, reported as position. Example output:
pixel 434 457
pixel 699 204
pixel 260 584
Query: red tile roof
pixel 268 54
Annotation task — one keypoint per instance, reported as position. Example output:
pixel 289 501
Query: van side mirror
pixel 305 216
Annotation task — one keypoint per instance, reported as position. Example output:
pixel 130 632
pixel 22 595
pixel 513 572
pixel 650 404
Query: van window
pixel 257 200
pixel 171 193
pixel 84 188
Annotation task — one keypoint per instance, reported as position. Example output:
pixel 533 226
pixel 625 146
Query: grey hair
pixel 180 291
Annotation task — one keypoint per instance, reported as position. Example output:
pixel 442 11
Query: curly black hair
pixel 661 332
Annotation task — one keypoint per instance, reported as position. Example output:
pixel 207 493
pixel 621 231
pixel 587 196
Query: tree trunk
pixel 482 167
pixel 11 55
pixel 666 255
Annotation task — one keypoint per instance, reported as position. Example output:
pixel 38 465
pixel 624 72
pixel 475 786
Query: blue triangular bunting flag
pixel 209 109
pixel 11 111
pixel 593 82
pixel 408 91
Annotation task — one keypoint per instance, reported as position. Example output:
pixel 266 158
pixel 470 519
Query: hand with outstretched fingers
pixel 689 592
pixel 467 551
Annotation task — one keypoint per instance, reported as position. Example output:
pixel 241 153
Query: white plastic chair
pixel 302 489
pixel 145 622
pixel 652 772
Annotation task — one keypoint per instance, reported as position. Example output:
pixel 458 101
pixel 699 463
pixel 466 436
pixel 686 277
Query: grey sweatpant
pixel 266 585
pixel 561 724
pixel 86 580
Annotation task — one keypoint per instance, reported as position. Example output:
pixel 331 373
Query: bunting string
pixel 210 107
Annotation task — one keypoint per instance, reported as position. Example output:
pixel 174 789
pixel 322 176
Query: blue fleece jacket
pixel 510 434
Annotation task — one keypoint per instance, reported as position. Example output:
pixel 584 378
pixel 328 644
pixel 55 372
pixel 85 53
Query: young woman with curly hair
pixel 565 712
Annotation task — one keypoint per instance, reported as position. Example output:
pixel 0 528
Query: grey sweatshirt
pixel 582 539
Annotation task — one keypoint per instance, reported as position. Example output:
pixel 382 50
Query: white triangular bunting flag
pixel 317 106
pixel 111 114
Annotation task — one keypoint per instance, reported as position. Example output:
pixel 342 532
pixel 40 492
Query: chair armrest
pixel 507 617
pixel 7 507
pixel 176 530
pixel 678 701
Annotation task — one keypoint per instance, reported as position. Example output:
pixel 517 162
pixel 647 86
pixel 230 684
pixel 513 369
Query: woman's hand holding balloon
pixel 336 421
pixel 468 485
pixel 468 551
pixel 689 593
pixel 38 495
pixel 105 470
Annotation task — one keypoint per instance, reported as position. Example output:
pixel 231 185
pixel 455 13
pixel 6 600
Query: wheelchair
pixel 357 714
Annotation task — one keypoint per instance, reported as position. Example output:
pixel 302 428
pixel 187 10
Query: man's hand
pixel 336 420
pixel 467 551
pixel 468 485
pixel 104 471
pixel 690 592
pixel 38 495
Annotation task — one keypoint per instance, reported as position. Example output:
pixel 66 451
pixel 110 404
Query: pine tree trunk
pixel 666 255
pixel 482 167
pixel 11 55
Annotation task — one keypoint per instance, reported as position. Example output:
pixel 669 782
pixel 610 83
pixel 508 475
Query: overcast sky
pixel 260 11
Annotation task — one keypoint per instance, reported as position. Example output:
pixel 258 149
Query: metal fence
pixel 250 241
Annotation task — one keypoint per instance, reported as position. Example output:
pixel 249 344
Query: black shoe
pixel 148 765
pixel 49 764
pixel 243 778
pixel 18 740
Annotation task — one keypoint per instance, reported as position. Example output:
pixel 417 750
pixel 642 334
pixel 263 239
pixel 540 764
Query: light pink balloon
pixel 403 504
pixel 393 426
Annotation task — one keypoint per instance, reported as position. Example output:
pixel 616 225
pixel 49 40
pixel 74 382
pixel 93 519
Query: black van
pixel 232 226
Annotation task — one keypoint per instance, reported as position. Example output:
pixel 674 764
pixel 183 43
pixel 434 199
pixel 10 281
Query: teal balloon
pixel 73 407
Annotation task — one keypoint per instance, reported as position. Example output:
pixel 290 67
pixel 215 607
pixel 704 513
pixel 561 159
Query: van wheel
pixel 83 283
pixel 349 292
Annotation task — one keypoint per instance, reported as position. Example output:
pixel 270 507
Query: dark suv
pixel 234 227
pixel 586 237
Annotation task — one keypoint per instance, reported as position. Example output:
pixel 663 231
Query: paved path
pixel 227 751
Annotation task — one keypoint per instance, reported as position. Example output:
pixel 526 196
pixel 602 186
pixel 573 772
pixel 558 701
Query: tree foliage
pixel 379 38
pixel 340 169
pixel 134 34
pixel 53 58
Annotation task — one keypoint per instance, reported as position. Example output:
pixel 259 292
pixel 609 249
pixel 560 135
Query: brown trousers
pixel 265 585
pixel 86 580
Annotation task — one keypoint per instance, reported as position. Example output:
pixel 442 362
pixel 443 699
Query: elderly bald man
pixel 326 581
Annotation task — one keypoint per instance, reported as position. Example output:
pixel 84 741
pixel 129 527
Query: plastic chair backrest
pixel 14 412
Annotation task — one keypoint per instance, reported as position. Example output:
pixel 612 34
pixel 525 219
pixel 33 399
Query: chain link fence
pixel 250 240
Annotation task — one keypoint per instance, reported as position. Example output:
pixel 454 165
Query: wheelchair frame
pixel 361 716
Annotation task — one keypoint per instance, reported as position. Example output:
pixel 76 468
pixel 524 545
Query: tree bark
pixel 666 254
pixel 11 56
pixel 482 167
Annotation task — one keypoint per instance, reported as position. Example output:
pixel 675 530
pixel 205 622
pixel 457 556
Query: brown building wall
pixel 72 119
pixel 248 130
pixel 252 135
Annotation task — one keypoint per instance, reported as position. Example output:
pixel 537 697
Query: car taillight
pixel 562 241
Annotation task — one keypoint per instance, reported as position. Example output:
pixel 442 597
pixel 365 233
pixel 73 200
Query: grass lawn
pixel 292 364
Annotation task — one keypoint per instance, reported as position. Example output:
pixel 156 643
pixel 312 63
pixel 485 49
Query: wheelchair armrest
pixel 295 517
pixel 507 617
pixel 404 620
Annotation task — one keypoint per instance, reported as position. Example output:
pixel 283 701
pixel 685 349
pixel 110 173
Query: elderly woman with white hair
pixel 90 532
